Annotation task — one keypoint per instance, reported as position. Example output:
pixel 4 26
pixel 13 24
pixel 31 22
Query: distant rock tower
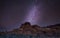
pixel 27 23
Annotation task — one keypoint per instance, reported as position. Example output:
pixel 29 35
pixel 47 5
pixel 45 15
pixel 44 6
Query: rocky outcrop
pixel 29 29
pixel 56 26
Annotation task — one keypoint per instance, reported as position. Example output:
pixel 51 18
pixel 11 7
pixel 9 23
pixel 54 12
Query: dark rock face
pixel 27 23
pixel 55 29
pixel 56 26
pixel 34 26
pixel 29 29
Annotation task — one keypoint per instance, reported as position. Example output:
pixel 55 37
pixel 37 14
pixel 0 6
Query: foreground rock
pixel 28 29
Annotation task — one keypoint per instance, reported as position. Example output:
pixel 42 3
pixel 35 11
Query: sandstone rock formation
pixel 29 29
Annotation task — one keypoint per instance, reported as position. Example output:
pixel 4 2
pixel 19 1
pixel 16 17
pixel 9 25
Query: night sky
pixel 41 12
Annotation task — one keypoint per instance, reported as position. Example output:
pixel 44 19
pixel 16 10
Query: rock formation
pixel 28 29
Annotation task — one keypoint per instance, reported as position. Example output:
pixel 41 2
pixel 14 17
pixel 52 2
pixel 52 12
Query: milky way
pixel 33 14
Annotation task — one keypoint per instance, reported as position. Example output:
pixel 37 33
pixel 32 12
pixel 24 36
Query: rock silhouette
pixel 29 29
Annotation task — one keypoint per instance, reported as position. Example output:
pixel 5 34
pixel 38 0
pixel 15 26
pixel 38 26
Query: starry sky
pixel 41 12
